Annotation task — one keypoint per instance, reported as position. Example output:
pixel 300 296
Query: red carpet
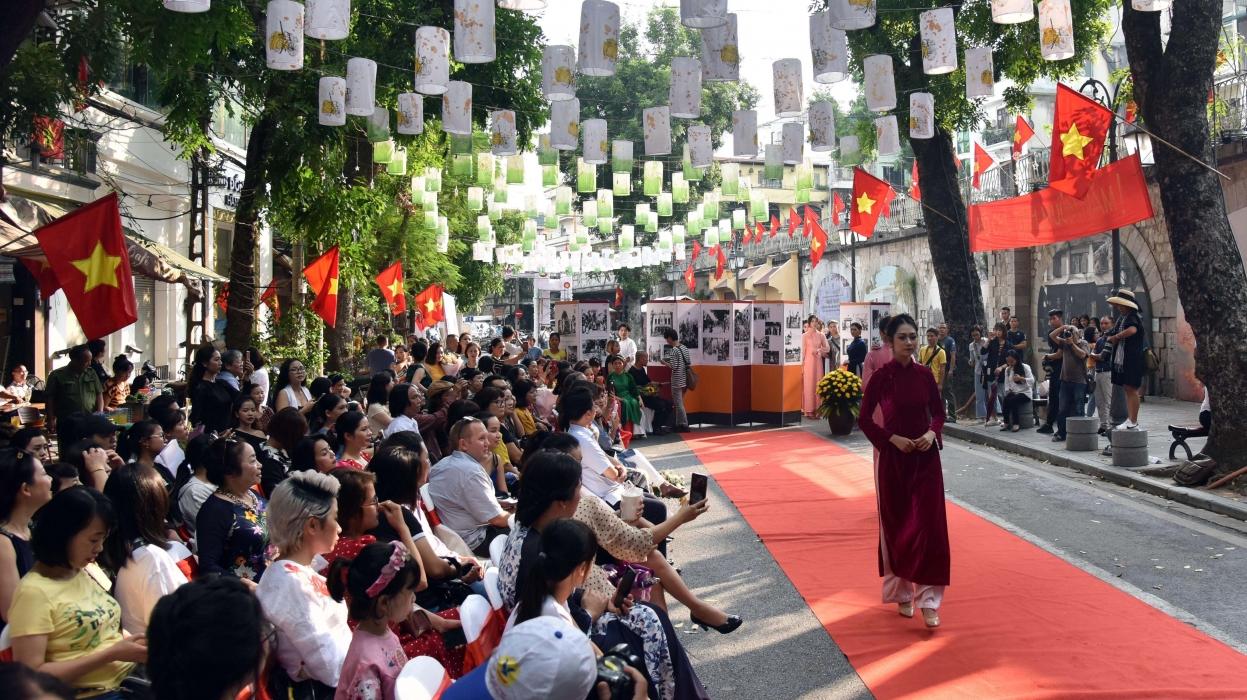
pixel 1018 622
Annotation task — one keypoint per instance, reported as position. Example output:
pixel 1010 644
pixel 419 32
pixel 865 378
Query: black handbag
pixel 446 593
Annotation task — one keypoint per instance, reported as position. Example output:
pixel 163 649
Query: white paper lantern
pixel 599 37
pixel 558 73
pixel 700 149
pixel 700 14
pixel 283 25
pixel 410 113
pixel 1151 5
pixel 656 124
pixel 980 80
pixel 622 153
pixel 457 108
pixel 331 99
pixel 1012 11
pixel 502 136
pixel 474 31
pixel 328 19
pixel 787 82
pixel 849 146
pixel 939 41
pixel 522 5
pixel 379 122
pixel 432 60
pixel 361 86
pixel 188 5
pixel 595 141
pixel 829 48
pixel 852 14
pixel 720 52
pixel 745 132
pixel 792 141
pixel 565 124
pixel 685 87
pixel 880 83
pixel 921 115
pixel 1056 30
pixel 822 127
pixel 887 138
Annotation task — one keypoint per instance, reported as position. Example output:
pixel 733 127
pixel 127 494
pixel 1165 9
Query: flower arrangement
pixel 839 394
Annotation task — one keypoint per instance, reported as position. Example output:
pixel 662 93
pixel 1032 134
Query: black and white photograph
pixel 593 321
pixel 876 317
pixel 715 322
pixel 573 353
pixel 760 341
pixel 659 322
pixel 593 347
pixel 742 352
pixel 793 321
pixel 689 328
pixel 792 355
pixel 717 350
pixel 761 313
pixel 774 328
pixel 564 325
pixel 770 357
pixel 742 325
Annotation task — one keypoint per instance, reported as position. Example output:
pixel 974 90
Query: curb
pixel 1116 475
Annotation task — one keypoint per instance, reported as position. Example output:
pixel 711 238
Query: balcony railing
pixel 1229 108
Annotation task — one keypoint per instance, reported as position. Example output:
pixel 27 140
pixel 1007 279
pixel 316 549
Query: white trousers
pixel 895 588
pixel 1104 398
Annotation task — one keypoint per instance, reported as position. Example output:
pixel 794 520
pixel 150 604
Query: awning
pixel 765 278
pixel 172 258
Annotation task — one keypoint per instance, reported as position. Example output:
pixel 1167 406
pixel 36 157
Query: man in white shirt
pixel 462 492
pixel 404 407
pixel 627 346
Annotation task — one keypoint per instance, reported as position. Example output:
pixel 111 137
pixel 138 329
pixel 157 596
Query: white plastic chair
pixel 474 612
pixel 492 589
pixel 451 539
pixel 427 497
pixel 422 678
pixel 496 548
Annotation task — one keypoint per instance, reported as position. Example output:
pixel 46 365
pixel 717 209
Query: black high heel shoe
pixel 733 622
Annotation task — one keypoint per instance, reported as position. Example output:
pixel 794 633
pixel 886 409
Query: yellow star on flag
pixel 430 305
pixel 396 288
pixel 100 268
pixel 333 285
pixel 815 245
pixel 1074 142
pixel 865 204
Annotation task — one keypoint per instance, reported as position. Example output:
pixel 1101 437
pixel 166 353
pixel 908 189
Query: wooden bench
pixel 1182 433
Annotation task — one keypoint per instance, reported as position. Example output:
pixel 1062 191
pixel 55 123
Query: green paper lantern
pixel 606 204
pixel 460 144
pixel 532 206
pixel 398 163
pixel 476 199
pixel 802 196
pixel 563 201
pixel 546 154
pixel 432 179
pixel 805 176
pixel 757 205
pixel 549 175
pixel 738 219
pixel 731 180
pixel 495 211
pixel 677 236
pixel 589 212
pixel 711 237
pixel 694 222
pixel 606 224
pixel 515 170
pixel 484 229
pixel 417 190
pixel 484 169
pixel 664 204
pixel 626 237
pixel 430 220
pixel 622 184
pixel 382 152
pixel 551 221
pixel 710 205
pixel 621 157
pixel 586 177
pixel 461 166
pixel 679 188
pixel 500 191
pixel 651 183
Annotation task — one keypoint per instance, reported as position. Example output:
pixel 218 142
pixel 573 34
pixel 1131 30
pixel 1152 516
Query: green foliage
pixel 294 337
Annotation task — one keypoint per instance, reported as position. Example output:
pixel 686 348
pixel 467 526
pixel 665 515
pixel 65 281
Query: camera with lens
pixel 612 671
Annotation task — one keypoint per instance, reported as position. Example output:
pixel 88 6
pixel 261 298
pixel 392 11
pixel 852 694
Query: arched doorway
pixel 1079 278
pixel 832 291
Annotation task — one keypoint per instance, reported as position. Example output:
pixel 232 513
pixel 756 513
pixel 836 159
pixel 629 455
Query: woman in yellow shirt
pixel 433 364
pixel 62 621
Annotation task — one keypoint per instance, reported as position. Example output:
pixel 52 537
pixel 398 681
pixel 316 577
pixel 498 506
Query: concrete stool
pixel 1129 448
pixel 1081 434
pixel 1026 419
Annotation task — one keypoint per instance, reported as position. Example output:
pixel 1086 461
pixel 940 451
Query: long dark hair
pixel 549 476
pixel 202 357
pixel 17 468
pixel 895 323
pixel 566 545
pixel 377 387
pixel 350 579
pixel 317 417
pixel 141 502
pixel 398 474
pixel 128 445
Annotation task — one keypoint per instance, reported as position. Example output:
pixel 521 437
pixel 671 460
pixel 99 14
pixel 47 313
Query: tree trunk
pixel 948 236
pixel 20 18
pixel 339 339
pixel 1171 87
pixel 240 316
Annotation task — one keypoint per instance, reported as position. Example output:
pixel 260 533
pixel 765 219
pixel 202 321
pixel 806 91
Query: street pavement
pixel 1183 560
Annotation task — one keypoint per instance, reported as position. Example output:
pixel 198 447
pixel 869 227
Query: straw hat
pixel 1125 298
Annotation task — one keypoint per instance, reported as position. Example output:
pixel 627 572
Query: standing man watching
pixel 950 355
pixel 74 388
pixel 381 357
pixel 627 346
pixel 1073 374
pixel 1103 386
pixel 1052 361
pixel 857 349
pixel 649 397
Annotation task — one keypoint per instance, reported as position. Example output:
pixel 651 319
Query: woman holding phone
pixel 914 556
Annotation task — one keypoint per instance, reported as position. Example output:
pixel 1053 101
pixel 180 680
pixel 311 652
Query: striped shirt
pixel 676 357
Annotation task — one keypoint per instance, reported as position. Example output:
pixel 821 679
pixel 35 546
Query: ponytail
pixel 335 578
pixel 562 547
pixel 128 445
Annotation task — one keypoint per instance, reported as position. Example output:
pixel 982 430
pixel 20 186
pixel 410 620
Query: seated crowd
pixel 307 540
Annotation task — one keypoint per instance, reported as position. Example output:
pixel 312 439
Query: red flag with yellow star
pixel 915 190
pixel 1079 128
pixel 871 197
pixel 390 280
pixel 818 237
pixel 837 208
pixel 760 233
pixel 42 272
pixel 794 221
pixel 774 225
pixel 696 250
pixel 1022 134
pixel 689 279
pixel 983 162
pixel 429 305
pixel 322 278
pixel 87 253
pixel 269 299
pixel 720 261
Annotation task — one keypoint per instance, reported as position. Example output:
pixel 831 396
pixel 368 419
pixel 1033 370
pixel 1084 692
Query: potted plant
pixel 840 397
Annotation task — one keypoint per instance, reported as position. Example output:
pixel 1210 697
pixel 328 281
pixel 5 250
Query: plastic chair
pixel 646 426
pixel 496 548
pixel 492 589
pixel 426 502
pixel 422 678
pixel 481 630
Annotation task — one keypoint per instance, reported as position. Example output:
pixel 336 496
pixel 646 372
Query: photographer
pixel 1072 370
pixel 546 657
pixel 1052 363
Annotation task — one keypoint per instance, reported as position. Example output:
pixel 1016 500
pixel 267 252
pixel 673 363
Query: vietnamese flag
pixel 269 299
pixel 322 278
pixel 689 279
pixel 870 197
pixel 429 304
pixel 915 192
pixel 794 221
pixel 761 232
pixel 390 280
pixel 42 272
pixel 818 238
pixel 721 261
pixel 837 208
pixel 983 162
pixel 696 250
pixel 1079 128
pixel 774 225
pixel 1022 133
pixel 88 255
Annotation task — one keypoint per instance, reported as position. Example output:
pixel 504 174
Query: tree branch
pixel 1145 52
